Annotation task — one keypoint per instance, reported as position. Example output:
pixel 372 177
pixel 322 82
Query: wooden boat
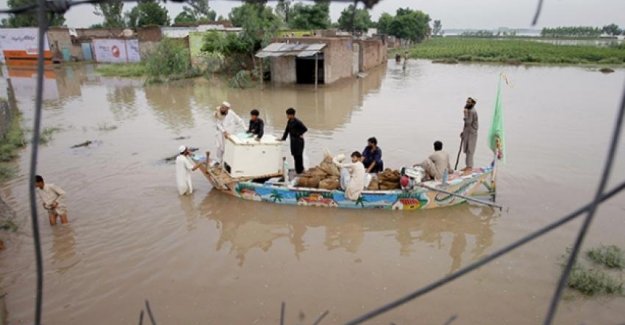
pixel 272 188
pixel 266 182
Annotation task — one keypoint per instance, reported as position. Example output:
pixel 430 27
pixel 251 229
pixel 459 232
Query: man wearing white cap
pixel 227 122
pixel 184 167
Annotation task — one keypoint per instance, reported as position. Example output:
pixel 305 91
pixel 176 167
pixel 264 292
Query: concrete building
pixel 293 60
pixel 68 44
pixel 63 44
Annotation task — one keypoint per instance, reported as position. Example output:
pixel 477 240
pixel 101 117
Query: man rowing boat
pixel 469 134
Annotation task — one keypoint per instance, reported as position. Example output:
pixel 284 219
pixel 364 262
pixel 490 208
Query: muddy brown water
pixel 212 259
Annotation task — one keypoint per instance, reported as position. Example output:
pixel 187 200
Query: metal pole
pixel 316 69
pixel 262 74
pixel 43 26
pixel 461 196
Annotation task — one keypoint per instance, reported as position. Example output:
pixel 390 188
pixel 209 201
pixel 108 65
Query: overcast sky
pixel 477 14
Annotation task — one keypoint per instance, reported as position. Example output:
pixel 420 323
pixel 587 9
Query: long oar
pixel 458 157
pixel 494 205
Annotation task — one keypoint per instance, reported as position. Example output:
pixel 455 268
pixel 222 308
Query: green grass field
pixel 517 51
pixel 122 70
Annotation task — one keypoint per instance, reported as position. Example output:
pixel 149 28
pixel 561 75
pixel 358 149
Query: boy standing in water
pixel 53 200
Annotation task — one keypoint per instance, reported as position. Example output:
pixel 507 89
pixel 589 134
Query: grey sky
pixel 453 13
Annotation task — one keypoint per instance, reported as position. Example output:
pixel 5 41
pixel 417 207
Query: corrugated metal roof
pixel 290 49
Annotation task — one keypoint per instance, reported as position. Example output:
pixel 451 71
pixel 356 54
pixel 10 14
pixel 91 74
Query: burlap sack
pixel 316 172
pixel 312 182
pixel 330 183
pixel 386 186
pixel 374 185
pixel 389 175
pixel 330 168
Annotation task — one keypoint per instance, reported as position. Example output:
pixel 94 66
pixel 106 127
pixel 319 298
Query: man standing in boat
pixel 295 129
pixel 227 122
pixel 469 133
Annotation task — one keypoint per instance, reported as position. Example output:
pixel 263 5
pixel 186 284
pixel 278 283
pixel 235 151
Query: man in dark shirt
pixel 257 125
pixel 372 157
pixel 295 129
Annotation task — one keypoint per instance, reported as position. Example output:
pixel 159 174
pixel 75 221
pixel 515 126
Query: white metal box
pixel 244 156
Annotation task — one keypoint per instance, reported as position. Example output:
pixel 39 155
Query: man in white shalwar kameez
pixel 356 169
pixel 184 167
pixel 227 122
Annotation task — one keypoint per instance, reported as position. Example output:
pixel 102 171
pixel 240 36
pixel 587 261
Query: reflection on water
pixel 63 248
pixel 326 108
pixel 241 229
pixel 172 104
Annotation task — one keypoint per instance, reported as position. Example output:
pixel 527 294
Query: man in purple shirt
pixel 372 156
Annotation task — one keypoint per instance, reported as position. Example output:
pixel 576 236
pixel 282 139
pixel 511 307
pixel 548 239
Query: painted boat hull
pixel 477 185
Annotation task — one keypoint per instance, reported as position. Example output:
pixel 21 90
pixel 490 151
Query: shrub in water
pixel 169 60
pixel 608 256
pixel 591 282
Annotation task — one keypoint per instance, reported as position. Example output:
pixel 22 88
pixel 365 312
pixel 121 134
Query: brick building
pixel 293 60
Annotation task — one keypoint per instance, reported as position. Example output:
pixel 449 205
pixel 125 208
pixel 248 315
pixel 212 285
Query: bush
pixel 7 172
pixel 210 62
pixel 243 79
pixel 595 279
pixel 47 134
pixel 609 256
pixel 13 139
pixel 230 52
pixel 168 61
pixel 591 282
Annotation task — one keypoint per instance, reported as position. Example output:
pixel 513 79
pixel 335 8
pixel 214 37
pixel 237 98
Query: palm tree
pixel 276 196
pixel 361 200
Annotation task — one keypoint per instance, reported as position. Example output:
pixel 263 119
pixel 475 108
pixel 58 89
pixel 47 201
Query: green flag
pixel 496 138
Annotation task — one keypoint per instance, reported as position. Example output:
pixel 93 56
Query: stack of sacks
pixel 325 176
pixel 388 180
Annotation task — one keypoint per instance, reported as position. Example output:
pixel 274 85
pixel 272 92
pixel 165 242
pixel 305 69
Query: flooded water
pixel 213 259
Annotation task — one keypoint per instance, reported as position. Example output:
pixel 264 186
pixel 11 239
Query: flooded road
pixel 213 259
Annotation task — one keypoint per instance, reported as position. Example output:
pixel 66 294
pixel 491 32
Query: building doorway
pixel 305 69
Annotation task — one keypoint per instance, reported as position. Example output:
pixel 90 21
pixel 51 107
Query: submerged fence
pixel 42 7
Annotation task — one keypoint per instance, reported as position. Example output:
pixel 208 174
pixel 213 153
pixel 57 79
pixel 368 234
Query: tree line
pixel 405 24
pixel 582 31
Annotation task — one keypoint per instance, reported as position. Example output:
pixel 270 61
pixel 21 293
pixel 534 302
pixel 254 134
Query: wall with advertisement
pixel 22 42
pixel 116 50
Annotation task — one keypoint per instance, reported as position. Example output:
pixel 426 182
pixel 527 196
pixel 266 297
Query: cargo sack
pixel 316 172
pixel 373 185
pixel 389 175
pixel 312 182
pixel 331 183
pixel 386 186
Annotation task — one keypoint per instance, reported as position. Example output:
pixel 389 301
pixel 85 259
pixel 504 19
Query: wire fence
pixel 589 210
